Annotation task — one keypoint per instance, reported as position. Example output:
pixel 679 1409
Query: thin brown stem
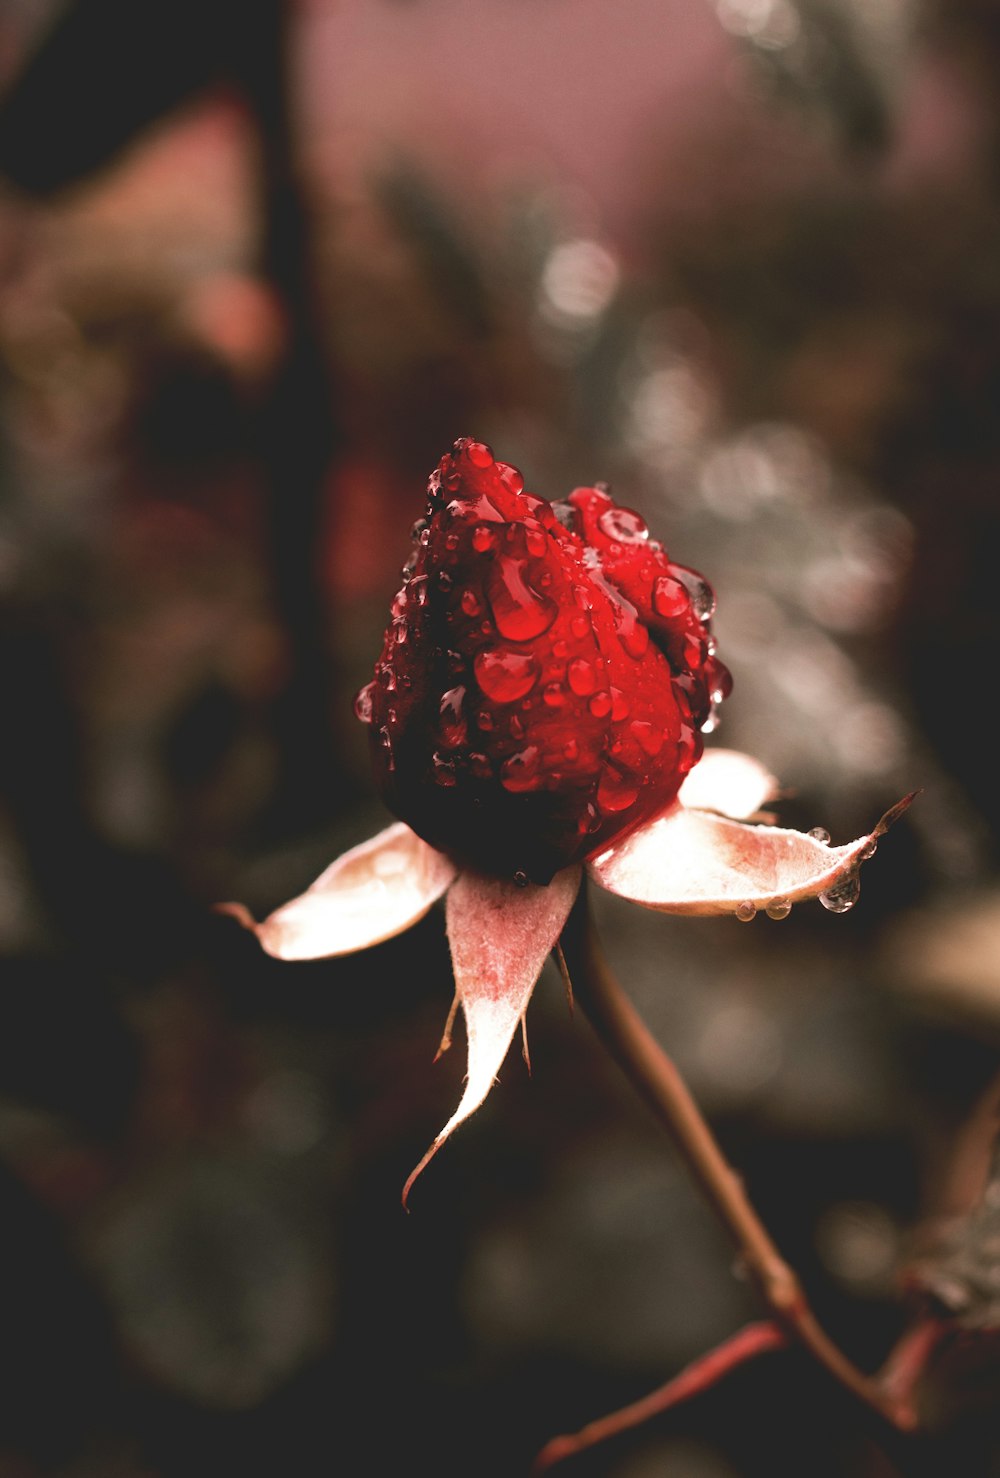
pixel 656 1078
pixel 700 1375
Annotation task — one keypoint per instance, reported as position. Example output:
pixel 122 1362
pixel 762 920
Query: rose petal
pixel 725 780
pixel 372 892
pixel 500 935
pixel 691 862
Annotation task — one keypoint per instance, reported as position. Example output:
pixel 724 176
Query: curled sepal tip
pixel 691 862
pixel 500 935
pixel 372 892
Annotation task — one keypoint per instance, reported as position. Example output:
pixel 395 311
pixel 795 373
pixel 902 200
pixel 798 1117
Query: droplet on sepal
pixel 843 895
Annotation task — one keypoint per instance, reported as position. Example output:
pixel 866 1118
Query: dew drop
pixel 536 543
pixel 444 770
pixel 479 454
pixel 479 766
pixel 485 720
pixel 868 850
pixel 693 652
pixel 778 908
pixel 469 602
pixel 387 678
pixel 444 580
pixel 417 531
pixel 505 676
pixel 521 614
pixel 521 772
pixel 520 878
pixel 616 792
pixel 400 631
pixel 711 721
pixel 745 912
pixel 600 705
pixel 385 740
pixel 516 727
pixel 632 634
pixel 623 525
pixel 363 703
pixel 843 895
pixel 571 750
pixel 582 677
pixel 649 737
pixel 554 695
pixel 418 589
pixel 619 705
pixel 580 627
pixel 510 477
pixel 483 538
pixel 451 541
pixel 454 729
pixel 820 834
pixel 701 594
pixel 670 598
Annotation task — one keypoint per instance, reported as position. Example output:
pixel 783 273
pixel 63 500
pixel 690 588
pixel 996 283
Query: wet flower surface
pixel 545 676
pixel 537 714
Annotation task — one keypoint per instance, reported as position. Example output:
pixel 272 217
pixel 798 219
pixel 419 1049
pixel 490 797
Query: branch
pixel 656 1078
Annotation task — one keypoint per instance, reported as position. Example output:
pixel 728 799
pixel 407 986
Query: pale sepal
pixel 372 892
pixel 500 935
pixel 691 862
pixel 727 781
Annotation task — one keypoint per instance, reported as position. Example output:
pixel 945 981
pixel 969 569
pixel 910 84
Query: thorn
pixel 445 1042
pixel 564 972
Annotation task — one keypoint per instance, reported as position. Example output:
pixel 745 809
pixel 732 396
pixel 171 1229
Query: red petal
pixel 500 935
pixel 729 782
pixel 693 863
pixel 369 894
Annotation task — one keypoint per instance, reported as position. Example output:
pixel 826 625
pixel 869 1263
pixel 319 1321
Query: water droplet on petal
pixel 616 792
pixel 510 477
pixel 582 677
pixel 619 705
pixel 649 737
pixel 454 729
pixel 505 676
pixel 778 908
pixel 363 703
pixel 479 454
pixel 745 912
pixel 536 543
pixel 571 749
pixel 701 593
pixel 843 895
pixel 417 530
pixel 521 614
pixel 469 603
pixel 387 678
pixel 670 598
pixel 554 695
pixel 444 770
pixel 483 538
pixel 521 772
pixel 600 705
pixel 580 627
pixel 623 525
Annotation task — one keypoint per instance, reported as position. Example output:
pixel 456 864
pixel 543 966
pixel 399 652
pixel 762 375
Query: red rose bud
pixel 545 677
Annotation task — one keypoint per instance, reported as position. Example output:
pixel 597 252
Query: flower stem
pixel 746 1344
pixel 656 1078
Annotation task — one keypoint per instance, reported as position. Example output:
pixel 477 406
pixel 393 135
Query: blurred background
pixel 259 266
